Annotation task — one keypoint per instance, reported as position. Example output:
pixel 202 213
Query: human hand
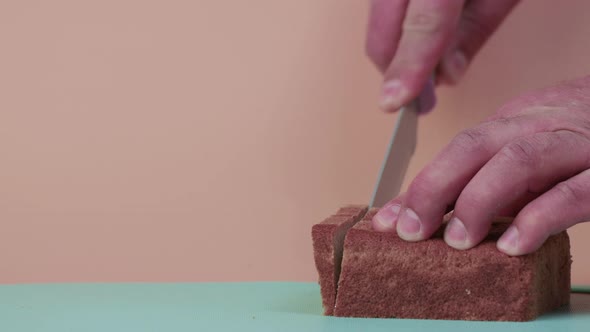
pixel 530 160
pixel 409 40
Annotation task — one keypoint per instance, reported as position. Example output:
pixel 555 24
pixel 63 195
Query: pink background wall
pixel 200 140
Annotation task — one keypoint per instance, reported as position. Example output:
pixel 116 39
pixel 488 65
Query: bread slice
pixel 385 276
pixel 328 241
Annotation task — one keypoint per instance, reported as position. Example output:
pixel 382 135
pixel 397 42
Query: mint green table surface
pixel 260 306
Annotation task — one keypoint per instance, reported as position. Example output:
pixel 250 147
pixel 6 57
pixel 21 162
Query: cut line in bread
pixel 328 244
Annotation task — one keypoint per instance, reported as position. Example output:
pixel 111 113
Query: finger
pixel 530 164
pixel 439 183
pixel 566 204
pixel 512 209
pixel 386 218
pixel 478 22
pixel 384 30
pixel 428 27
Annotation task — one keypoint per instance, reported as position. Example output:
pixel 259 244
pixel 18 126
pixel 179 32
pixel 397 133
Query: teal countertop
pixel 260 306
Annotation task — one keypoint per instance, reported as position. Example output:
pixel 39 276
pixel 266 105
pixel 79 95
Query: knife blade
pixel 401 148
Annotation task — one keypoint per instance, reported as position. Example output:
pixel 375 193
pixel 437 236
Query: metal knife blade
pixel 401 147
pixel 398 155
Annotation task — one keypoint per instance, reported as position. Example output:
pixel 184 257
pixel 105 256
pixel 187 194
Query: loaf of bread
pixel 365 273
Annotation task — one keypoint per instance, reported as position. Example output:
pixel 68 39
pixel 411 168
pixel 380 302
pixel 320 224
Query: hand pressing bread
pixel 531 160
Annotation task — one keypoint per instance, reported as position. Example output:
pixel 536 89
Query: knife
pixel 401 147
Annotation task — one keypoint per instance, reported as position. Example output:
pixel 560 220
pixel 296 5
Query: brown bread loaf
pixel 385 276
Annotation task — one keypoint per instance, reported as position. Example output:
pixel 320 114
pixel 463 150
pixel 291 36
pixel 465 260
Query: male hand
pixel 408 39
pixel 530 160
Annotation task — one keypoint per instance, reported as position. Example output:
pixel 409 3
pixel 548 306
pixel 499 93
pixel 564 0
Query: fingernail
pixel 385 219
pixel 409 225
pixel 394 94
pixel 508 242
pixel 455 66
pixel 456 234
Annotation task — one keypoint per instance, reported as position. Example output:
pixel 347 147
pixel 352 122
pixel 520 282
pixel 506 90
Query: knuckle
pixel 424 22
pixel 534 224
pixel 523 153
pixel 421 185
pixel 470 200
pixel 571 191
pixel 470 140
